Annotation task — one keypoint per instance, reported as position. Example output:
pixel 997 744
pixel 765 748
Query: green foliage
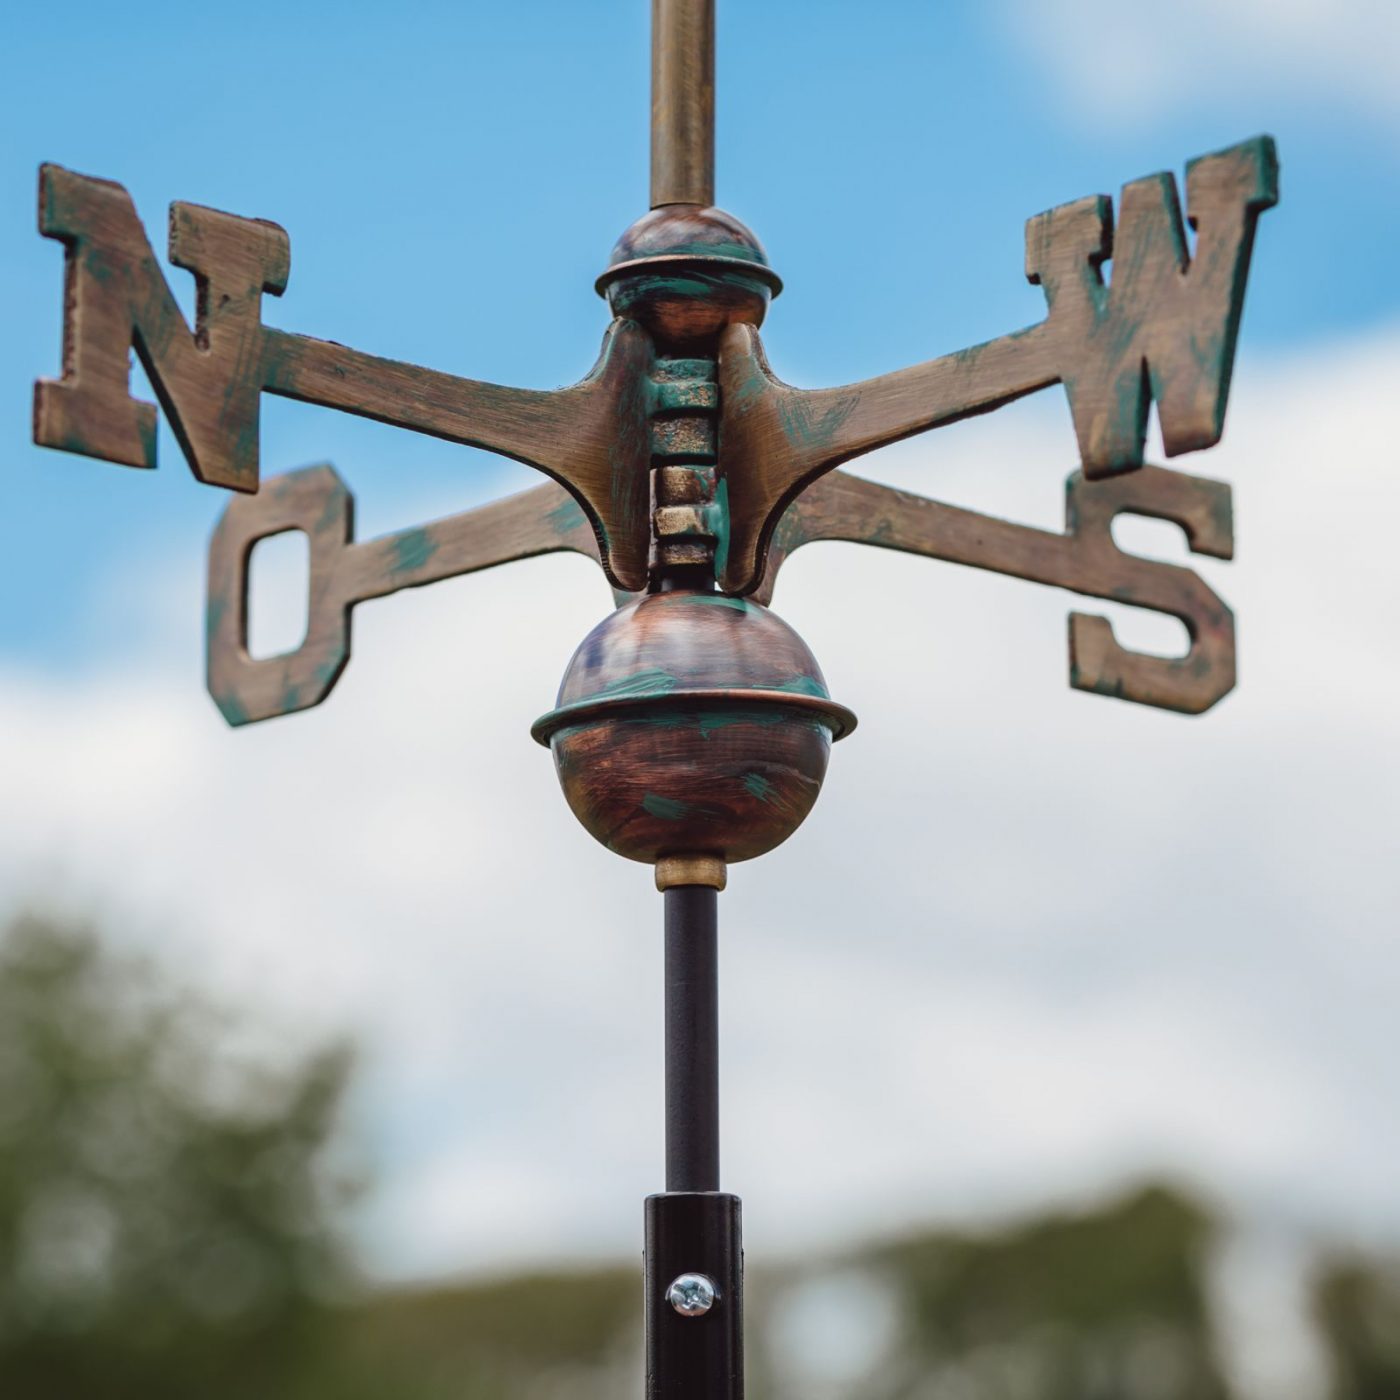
pixel 1357 1304
pixel 1105 1305
pixel 165 1217
pixel 575 1336
pixel 171 1226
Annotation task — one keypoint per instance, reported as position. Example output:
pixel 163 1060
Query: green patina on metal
pixel 968 356
pixel 883 535
pixel 666 808
pixel 1111 686
pixel 804 685
pixel 333 510
pixel 810 430
pixel 720 516
pixel 1131 396
pixel 1157 324
pixel 1206 294
pixel 752 388
pixel 714 720
pixel 659 719
pixel 678 284
pixel 1222 515
pixel 745 252
pixel 629 446
pixel 653 681
pixel 1211 356
pixel 713 600
pixel 756 785
pixel 97 266
pixel 684 372
pixel 232 708
pixel 565 517
pixel 1120 327
pixel 214 616
pixel 411 550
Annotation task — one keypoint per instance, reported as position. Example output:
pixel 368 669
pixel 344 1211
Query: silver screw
pixel 692 1295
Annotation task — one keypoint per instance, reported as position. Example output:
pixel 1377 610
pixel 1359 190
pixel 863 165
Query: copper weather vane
pixel 693 726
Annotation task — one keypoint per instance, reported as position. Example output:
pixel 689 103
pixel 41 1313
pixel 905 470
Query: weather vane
pixel 693 727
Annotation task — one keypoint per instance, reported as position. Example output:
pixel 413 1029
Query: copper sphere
pixel 692 723
pixel 685 271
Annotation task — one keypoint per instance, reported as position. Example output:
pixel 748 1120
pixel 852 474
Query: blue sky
pixel 452 177
pixel 1072 941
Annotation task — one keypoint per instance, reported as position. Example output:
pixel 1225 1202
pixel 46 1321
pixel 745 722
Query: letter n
pixel 208 381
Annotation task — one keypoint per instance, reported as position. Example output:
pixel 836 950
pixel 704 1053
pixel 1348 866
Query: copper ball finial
pixel 685 271
pixel 692 723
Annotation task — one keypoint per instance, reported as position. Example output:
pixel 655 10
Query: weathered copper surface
pixel 682 102
pixel 838 507
pixel 1164 330
pixel 692 723
pixel 687 271
pixel 687 518
pixel 592 438
pixel 687 281
pixel 693 727
pixel 344 573
pixel 1083 559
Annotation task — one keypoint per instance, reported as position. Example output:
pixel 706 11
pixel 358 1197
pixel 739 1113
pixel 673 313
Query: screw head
pixel 692 1295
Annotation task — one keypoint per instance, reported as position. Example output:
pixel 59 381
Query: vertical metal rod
pixel 692 1039
pixel 682 102
pixel 694 1228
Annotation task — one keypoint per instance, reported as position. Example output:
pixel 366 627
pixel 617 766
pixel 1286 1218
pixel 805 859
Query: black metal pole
pixel 694 1251
pixel 692 1039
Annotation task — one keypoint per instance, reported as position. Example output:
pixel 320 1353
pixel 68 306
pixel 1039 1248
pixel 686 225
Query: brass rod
pixel 682 102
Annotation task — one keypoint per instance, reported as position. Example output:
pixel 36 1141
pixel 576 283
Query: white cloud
pixel 1116 60
pixel 1030 943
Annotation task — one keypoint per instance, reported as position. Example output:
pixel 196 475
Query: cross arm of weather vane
pixel 1163 330
pixel 1084 559
pixel 592 437
pixel 344 572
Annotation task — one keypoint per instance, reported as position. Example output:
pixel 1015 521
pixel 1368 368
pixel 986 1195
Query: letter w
pixel 1165 328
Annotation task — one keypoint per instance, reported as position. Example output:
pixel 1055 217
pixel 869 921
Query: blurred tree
pixel 165 1203
pixel 556 1336
pixel 171 1226
pixel 1357 1305
pixel 1111 1304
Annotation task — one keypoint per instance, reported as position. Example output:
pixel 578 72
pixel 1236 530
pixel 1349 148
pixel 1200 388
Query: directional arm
pixel 344 573
pixel 839 507
pixel 592 438
pixel 1164 330
pixel 1084 559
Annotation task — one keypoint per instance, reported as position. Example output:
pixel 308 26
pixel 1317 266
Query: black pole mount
pixel 694 1272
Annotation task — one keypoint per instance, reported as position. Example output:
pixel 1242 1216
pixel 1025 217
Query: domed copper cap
pixel 692 723
pixel 685 271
